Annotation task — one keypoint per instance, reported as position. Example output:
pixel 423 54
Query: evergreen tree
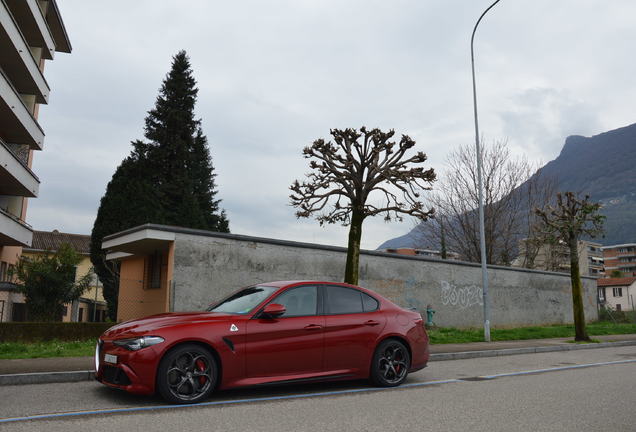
pixel 168 179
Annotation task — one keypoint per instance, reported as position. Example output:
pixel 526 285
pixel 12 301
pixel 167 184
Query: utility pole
pixel 482 234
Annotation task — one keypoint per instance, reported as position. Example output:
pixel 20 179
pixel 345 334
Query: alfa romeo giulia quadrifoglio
pixel 270 333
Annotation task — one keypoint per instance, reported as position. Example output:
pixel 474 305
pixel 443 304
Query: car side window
pixel 369 304
pixel 300 301
pixel 342 300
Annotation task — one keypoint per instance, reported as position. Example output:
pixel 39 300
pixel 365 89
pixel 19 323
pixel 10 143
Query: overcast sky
pixel 275 75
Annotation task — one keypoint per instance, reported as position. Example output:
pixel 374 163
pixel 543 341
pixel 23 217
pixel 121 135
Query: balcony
pixel 54 20
pixel 31 21
pixel 16 178
pixel 17 62
pixel 13 231
pixel 17 125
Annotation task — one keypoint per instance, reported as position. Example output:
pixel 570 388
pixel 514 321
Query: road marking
pixel 305 395
pixel 555 369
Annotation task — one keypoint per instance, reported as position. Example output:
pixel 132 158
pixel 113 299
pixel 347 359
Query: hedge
pixel 43 331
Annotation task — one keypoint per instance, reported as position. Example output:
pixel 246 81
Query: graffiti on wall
pixel 461 297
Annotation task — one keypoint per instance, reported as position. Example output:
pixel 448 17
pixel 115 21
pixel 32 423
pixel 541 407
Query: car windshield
pixel 243 301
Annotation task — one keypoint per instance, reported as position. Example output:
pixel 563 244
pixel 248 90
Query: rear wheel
pixel 391 362
pixel 187 374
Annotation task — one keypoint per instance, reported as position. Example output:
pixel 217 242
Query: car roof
pixel 286 283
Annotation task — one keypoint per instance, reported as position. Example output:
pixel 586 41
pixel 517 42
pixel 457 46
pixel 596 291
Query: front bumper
pixel 134 371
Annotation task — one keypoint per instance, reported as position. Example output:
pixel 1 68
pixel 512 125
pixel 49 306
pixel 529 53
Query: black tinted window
pixel 299 301
pixel 369 303
pixel 341 300
pixel 243 301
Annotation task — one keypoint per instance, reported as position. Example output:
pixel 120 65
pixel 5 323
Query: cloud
pixel 273 76
pixel 538 119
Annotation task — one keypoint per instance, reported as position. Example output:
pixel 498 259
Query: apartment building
pixel 556 257
pixel 31 32
pixel 620 258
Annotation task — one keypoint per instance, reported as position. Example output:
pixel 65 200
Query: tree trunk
pixel 443 242
pixel 353 248
pixel 577 297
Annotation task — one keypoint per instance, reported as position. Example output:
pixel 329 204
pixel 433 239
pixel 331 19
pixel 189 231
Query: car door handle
pixel 371 323
pixel 313 327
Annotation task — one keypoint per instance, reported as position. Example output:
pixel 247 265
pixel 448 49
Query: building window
pixel 618 307
pixel 601 294
pixel 80 315
pixel 153 271
pixel 618 292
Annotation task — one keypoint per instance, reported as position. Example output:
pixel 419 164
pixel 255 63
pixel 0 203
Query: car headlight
pixel 135 344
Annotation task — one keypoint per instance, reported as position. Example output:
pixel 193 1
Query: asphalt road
pixel 488 394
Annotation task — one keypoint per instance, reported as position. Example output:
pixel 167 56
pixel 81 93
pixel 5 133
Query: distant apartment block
pixel 31 32
pixel 556 257
pixel 421 252
pixel 617 293
pixel 620 258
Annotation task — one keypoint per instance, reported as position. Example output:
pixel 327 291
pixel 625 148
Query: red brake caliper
pixel 201 366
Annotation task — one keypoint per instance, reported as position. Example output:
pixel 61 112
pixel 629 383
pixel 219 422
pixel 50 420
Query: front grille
pixel 114 375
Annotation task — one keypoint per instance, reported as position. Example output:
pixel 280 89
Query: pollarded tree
pixel 347 172
pixel 571 218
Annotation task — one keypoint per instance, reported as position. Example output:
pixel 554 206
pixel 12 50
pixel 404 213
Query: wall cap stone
pixel 240 237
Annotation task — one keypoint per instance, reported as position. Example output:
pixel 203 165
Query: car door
pixel 353 323
pixel 291 344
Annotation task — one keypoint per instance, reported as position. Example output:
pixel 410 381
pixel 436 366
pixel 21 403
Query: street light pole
pixel 482 235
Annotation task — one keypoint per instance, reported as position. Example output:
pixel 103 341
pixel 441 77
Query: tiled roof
pixel 624 281
pixel 51 241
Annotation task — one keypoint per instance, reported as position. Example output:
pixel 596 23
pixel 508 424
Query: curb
pixel 527 350
pixel 89 375
pixel 46 377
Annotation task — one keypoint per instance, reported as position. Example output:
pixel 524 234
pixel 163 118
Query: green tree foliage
pixel 362 174
pixel 167 179
pixel 567 221
pixel 48 282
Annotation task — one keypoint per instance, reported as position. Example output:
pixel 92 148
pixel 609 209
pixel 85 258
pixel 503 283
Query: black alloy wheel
pixel 391 363
pixel 187 374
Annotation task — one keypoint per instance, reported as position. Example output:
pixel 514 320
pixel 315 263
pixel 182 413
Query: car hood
pixel 157 322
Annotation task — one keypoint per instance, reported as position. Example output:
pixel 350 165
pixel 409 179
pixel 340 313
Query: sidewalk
pixel 65 369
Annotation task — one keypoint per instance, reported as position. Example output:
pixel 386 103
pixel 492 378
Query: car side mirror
pixel 273 310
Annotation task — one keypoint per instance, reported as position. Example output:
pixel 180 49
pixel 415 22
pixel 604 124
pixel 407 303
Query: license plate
pixel 109 358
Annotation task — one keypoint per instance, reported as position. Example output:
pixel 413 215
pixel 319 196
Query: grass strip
pixel 54 348
pixel 445 335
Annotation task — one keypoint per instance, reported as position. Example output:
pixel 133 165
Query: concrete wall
pixel 207 267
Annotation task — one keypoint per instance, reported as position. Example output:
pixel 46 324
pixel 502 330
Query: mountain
pixel 603 166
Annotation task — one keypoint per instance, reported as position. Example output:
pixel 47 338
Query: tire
pixel 390 364
pixel 187 374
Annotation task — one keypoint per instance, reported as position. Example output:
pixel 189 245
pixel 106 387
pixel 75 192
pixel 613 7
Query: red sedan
pixel 277 332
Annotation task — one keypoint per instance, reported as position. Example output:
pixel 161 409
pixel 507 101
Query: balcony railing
pixel 15 218
pixel 19 105
pixel 33 66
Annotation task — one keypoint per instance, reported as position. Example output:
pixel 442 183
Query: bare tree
pixel 567 221
pixel 510 192
pixel 348 171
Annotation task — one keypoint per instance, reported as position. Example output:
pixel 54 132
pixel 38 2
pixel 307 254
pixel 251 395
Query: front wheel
pixel 391 362
pixel 187 374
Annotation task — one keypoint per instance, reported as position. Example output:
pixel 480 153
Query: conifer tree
pixel 167 179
